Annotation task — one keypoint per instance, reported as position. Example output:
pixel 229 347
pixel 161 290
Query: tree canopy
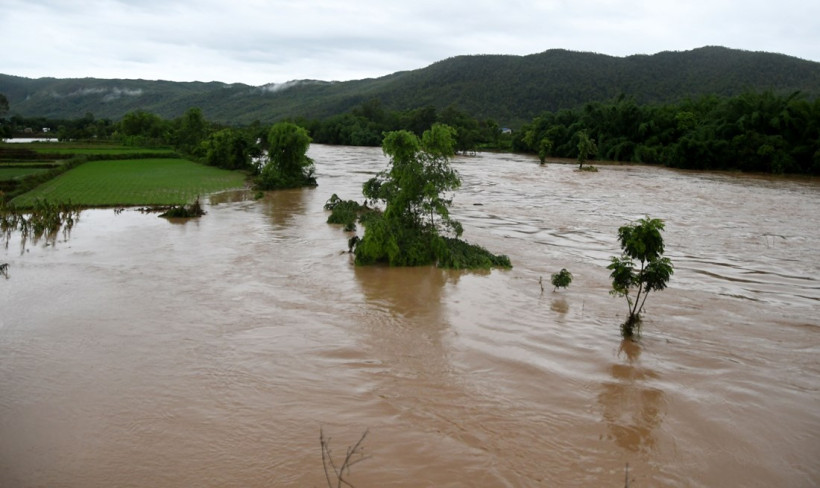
pixel 755 131
pixel 288 165
pixel 4 105
pixel 229 149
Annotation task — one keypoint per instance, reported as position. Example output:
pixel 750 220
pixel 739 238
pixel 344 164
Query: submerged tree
pixel 586 148
pixel 642 242
pixel 288 165
pixel 544 149
pixel 416 193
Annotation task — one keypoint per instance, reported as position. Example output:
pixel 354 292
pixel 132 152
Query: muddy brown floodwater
pixel 140 352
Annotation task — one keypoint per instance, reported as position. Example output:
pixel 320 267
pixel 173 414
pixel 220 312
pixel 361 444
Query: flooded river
pixel 140 352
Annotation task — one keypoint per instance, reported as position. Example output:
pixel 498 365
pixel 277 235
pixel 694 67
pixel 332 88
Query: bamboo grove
pixel 754 132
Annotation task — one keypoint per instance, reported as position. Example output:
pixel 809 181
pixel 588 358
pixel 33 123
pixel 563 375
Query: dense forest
pixel 510 90
pixel 760 132
pixel 754 131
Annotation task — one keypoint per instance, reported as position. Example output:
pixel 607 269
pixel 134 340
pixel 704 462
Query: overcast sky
pixel 273 41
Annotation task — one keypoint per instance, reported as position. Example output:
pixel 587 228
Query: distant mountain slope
pixel 508 89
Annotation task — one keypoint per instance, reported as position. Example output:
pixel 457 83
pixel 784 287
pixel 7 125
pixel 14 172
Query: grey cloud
pixel 275 40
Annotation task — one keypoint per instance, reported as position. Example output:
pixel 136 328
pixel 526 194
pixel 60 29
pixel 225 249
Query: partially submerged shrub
pixel 184 212
pixel 407 247
pixel 561 279
pixel 457 254
pixel 344 212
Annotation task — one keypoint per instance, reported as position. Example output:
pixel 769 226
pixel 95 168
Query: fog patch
pixel 117 93
pixel 278 87
pixel 109 94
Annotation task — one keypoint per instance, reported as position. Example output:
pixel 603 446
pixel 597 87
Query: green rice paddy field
pixel 134 182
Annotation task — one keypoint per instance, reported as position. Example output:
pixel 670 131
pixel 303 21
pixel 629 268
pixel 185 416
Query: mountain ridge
pixel 510 89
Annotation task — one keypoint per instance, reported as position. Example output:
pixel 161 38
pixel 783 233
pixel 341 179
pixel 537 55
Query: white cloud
pixel 259 42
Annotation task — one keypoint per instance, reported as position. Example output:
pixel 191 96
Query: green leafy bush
pixel 344 212
pixel 561 279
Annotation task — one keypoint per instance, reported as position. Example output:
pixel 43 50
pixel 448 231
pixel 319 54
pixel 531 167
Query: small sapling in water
pixel 641 241
pixel 561 279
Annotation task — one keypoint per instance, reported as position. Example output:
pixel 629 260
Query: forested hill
pixel 508 89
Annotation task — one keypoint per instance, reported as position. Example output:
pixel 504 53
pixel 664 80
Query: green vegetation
pixel 561 279
pixel 288 165
pixel 133 182
pixel 344 212
pixel 365 125
pixel 641 241
pixel 761 132
pixel 155 176
pixel 586 148
pixel 710 108
pixel 63 150
pixel 5 130
pixel 230 149
pixel 457 254
pixel 508 89
pixel 9 172
pixel 190 132
pixel 415 191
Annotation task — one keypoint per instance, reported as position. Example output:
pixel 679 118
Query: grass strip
pixel 10 173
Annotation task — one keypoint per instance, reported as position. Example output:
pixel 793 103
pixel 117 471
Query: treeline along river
pixel 142 352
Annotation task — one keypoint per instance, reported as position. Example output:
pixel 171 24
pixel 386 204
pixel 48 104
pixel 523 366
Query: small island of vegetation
pixel 415 227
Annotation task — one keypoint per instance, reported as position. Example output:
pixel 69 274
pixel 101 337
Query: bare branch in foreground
pixel 355 454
